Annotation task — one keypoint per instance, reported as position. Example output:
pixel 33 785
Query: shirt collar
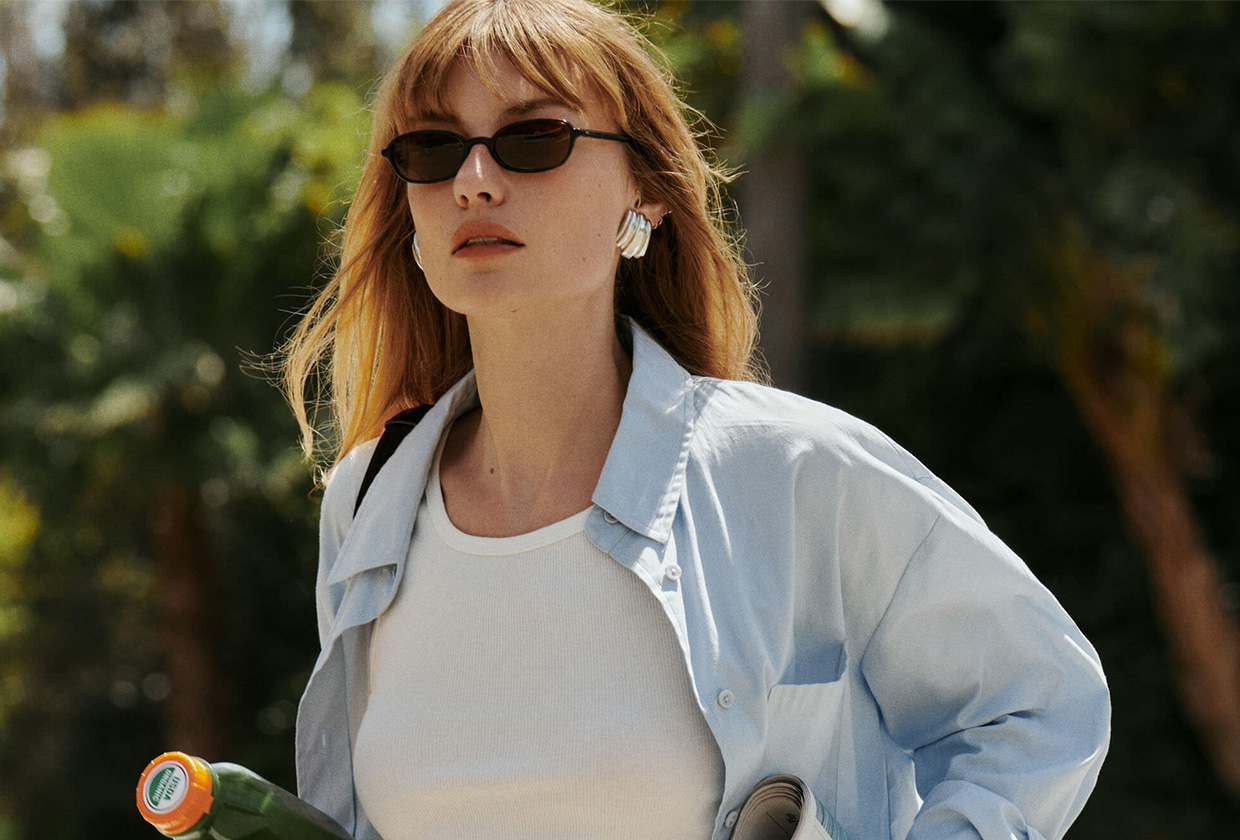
pixel 379 533
pixel 640 484
pixel 645 468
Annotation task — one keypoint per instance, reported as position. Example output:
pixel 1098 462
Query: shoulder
pixel 818 446
pixel 345 476
pixel 735 402
pixel 341 486
pixel 732 415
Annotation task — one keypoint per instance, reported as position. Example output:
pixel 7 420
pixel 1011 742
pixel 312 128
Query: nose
pixel 480 178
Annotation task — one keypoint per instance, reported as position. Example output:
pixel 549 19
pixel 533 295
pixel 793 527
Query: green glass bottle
pixel 187 798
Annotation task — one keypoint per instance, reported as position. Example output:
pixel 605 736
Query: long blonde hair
pixel 390 344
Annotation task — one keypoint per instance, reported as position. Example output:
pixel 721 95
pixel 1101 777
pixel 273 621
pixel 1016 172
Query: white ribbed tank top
pixel 529 688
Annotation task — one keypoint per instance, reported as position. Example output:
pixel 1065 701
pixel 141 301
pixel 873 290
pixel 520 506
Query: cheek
pixel 593 220
pixel 425 205
pixel 429 220
pixel 586 241
pixel 411 203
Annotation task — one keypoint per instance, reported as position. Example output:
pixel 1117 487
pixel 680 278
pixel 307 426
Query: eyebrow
pixel 515 110
pixel 522 108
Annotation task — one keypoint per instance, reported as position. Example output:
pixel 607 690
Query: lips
pixel 472 234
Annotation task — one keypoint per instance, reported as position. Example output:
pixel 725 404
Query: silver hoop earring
pixel 634 235
pixel 417 252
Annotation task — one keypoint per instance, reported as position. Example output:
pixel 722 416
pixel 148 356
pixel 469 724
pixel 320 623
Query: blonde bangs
pixel 566 55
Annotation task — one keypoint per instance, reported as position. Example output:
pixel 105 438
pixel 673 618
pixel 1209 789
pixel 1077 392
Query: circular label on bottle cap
pixel 166 786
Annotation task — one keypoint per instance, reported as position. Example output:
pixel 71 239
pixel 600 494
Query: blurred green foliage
pixel 147 250
pixel 168 249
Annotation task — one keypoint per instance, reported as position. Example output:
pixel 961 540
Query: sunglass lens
pixel 428 156
pixel 534 145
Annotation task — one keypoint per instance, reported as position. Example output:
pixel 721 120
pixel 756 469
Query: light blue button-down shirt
pixel 843 615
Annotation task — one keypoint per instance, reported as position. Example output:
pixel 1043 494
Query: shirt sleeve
pixel 984 679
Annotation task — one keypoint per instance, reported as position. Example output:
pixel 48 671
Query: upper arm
pixel 981 675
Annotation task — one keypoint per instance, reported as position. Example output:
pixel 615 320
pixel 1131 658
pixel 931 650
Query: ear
pixel 652 210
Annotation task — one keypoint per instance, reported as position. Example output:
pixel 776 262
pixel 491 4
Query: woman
pixel 609 582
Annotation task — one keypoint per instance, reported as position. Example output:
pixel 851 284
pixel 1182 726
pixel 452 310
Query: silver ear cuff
pixel 634 235
pixel 417 253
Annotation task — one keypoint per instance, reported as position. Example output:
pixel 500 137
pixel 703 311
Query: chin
pixel 503 295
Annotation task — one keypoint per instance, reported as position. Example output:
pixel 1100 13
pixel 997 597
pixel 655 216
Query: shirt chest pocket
pixel 805 721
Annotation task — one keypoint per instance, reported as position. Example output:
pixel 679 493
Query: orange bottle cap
pixel 174 792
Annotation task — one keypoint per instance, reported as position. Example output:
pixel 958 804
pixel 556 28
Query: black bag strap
pixel 394 431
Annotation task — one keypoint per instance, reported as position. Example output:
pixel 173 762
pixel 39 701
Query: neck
pixel 551 393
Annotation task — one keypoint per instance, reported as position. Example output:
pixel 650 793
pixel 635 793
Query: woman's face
pixel 559 226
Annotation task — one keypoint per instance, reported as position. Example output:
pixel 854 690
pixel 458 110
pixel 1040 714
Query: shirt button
pixel 607 515
pixel 725 699
pixel 730 819
pixel 672 572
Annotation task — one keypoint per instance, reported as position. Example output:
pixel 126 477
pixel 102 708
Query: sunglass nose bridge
pixel 467 147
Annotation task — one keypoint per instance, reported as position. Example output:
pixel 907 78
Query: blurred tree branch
pixel 1115 362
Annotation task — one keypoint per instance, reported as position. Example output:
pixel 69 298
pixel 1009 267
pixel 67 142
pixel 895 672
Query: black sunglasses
pixel 426 157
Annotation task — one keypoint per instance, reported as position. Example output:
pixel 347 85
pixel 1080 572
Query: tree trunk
pixel 772 193
pixel 190 629
pixel 1113 360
